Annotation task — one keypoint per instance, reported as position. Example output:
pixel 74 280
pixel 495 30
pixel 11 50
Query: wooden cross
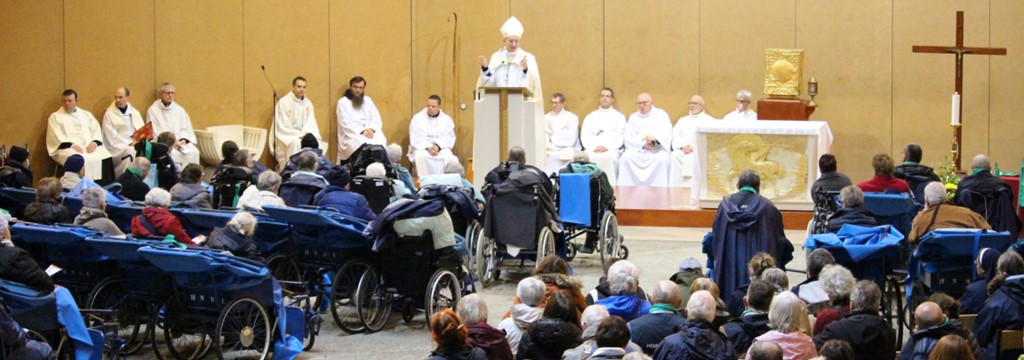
pixel 959 50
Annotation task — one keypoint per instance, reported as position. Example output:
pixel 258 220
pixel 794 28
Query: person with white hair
pixel 648 330
pixel 473 311
pixel 94 212
pixel 377 171
pixel 237 237
pixel 395 156
pixel 852 212
pixel 563 134
pixel 684 143
pixel 303 184
pixel 167 115
pixel 837 282
pixel 263 193
pixel 454 175
pixel 132 179
pixel 156 221
pixel 784 317
pixel 988 195
pixel 869 334
pixel 511 66
pixel 625 302
pixel 940 214
pixel 530 292
pixel 696 339
pixel 431 139
pixel 743 110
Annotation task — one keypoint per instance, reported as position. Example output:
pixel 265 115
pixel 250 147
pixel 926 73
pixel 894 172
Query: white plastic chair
pixel 249 138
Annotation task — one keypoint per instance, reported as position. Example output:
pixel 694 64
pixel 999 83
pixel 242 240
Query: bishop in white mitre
pixel 431 138
pixel 684 143
pixel 167 115
pixel 120 122
pixel 743 111
pixel 359 120
pixel 563 136
pixel 293 119
pixel 511 66
pixel 648 134
pixel 71 131
pixel 601 135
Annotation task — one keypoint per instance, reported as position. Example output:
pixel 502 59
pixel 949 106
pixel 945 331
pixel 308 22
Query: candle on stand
pixel 955 121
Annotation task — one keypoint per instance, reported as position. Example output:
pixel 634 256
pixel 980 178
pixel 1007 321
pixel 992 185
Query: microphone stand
pixel 273 117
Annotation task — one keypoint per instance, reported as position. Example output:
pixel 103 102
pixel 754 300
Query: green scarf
pixel 135 172
pixel 910 163
pixel 748 188
pixel 978 170
pixel 664 307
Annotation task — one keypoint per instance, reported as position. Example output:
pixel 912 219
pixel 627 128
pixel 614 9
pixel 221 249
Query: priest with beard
pixel 167 115
pixel 359 121
pixel 511 66
pixel 684 143
pixel 601 135
pixel 120 122
pixel 647 137
pixel 72 131
pixel 293 120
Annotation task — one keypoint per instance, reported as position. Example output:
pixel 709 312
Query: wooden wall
pixel 875 93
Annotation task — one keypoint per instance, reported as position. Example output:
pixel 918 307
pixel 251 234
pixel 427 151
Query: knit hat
pixel 309 141
pixel 74 163
pixel 19 154
pixel 339 176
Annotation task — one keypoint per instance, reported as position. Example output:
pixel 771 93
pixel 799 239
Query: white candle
pixel 955 121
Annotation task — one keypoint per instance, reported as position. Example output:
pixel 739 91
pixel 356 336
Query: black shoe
pixel 586 249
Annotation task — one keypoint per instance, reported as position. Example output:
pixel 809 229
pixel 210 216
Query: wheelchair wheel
pixel 174 338
pixel 486 261
pixel 918 295
pixel 623 252
pixel 343 290
pixel 243 331
pixel 608 237
pixel 443 292
pixel 312 329
pixel 892 308
pixel 132 314
pixel 570 251
pixel 473 233
pixel 372 301
pixel 545 245
pixel 284 268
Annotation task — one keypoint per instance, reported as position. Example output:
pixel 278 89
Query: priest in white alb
pixel 562 130
pixel 431 138
pixel 71 131
pixel 293 119
pixel 648 135
pixel 359 120
pixel 511 66
pixel 684 143
pixel 601 135
pixel 167 115
pixel 743 110
pixel 120 122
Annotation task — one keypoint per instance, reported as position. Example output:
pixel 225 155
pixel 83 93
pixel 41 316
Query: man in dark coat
pixel 1004 310
pixel 869 334
pixel 911 170
pixel 830 180
pixel 753 322
pixel 132 186
pixel 989 196
pixel 931 325
pixel 648 330
pixel 310 145
pixel 15 172
pixel 746 223
pixel 853 211
pixel 696 338
pixel 18 266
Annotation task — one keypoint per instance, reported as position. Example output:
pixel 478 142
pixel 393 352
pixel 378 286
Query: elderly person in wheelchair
pixel 581 165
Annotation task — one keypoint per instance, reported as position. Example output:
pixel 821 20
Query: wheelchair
pixel 377 191
pixel 368 154
pixel 462 207
pixel 583 212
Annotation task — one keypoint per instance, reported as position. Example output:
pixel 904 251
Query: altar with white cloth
pixel 784 154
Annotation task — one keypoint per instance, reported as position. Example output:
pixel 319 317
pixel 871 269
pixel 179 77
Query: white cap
pixel 512 27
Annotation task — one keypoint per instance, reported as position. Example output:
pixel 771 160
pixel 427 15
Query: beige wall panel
pixel 848 48
pixel 923 83
pixel 733 36
pixel 567 38
pixel 199 49
pixel 32 53
pixel 371 39
pixel 1005 130
pixel 110 44
pixel 652 46
pixel 290 41
pixel 434 47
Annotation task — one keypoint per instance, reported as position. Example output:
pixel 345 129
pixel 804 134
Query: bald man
pixel 765 350
pixel 684 143
pixel 931 325
pixel 120 122
pixel 650 329
pixel 647 137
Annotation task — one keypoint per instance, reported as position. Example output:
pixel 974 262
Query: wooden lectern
pixel 504 118
pixel 774 108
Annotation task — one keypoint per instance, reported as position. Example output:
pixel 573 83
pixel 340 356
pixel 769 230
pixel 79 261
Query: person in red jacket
pixel 883 179
pixel 155 220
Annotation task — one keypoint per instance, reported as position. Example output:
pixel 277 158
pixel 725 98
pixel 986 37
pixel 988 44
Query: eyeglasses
pixel 643 102
pixel 695 103
pixel 743 101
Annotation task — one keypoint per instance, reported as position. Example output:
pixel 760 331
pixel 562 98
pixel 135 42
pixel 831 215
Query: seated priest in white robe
pixel 167 115
pixel 601 135
pixel 359 121
pixel 511 66
pixel 562 130
pixel 71 131
pixel 743 110
pixel 120 122
pixel 648 134
pixel 293 119
pixel 431 138
pixel 684 143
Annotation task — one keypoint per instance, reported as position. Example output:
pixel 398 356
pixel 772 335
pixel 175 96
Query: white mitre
pixel 512 27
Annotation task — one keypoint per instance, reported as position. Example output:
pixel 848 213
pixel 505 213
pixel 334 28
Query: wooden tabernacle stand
pixel 775 108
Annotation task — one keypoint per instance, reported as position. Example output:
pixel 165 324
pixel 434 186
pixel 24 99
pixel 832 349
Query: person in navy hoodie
pixel 337 196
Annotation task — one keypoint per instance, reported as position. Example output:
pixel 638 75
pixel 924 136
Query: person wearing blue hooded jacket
pixel 337 196
pixel 976 292
pixel 625 301
pixel 1004 309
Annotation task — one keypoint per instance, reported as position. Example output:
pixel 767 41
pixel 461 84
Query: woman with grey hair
pixel 590 320
pixel 853 211
pixel 778 278
pixel 236 237
pixel 785 315
pixel 157 221
pixel 473 311
pixel 530 292
pixel 837 282
pixel 94 212
pixel 255 197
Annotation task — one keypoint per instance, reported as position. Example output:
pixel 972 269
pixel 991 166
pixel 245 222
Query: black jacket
pixel 159 154
pixel 222 238
pixel 47 213
pixel 1003 310
pixel 696 339
pixel 853 216
pixel 464 353
pixel 992 198
pixel 15 174
pixel 907 170
pixel 921 343
pixel 870 336
pixel 742 331
pixel 548 339
pixel 18 266
pixel 132 187
pixel 649 330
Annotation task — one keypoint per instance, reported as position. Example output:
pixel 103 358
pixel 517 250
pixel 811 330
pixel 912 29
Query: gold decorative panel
pixel 783 71
pixel 780 160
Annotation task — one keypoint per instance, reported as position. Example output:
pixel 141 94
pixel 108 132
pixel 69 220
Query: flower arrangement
pixel 949 176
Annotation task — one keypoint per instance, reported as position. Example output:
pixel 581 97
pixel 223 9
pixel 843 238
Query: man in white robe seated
pixel 562 130
pixel 743 110
pixel 293 119
pixel 358 120
pixel 70 131
pixel 511 66
pixel 647 137
pixel 684 143
pixel 167 115
pixel 120 122
pixel 601 135
pixel 431 138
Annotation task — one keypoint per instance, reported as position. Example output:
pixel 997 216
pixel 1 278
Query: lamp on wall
pixel 812 89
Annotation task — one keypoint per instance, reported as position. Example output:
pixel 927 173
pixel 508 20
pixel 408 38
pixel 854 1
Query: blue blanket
pixel 860 242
